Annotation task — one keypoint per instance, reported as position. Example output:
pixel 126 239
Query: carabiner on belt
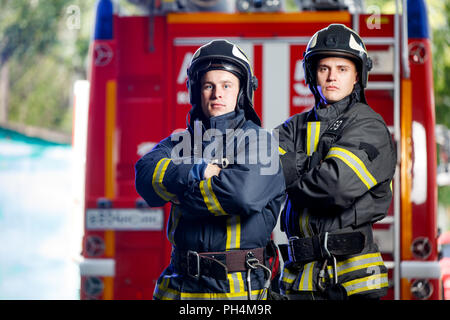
pixel 325 246
pixel 323 270
pixel 253 264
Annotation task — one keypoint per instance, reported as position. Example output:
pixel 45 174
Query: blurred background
pixel 43 51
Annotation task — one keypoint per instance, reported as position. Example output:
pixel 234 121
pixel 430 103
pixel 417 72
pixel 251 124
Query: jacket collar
pixel 232 120
pixel 331 112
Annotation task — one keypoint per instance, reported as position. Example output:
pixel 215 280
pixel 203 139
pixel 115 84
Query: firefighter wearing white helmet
pixel 223 208
pixel 338 160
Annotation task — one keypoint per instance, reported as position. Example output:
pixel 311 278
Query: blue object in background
pixel 36 235
pixel 104 20
pixel 418 27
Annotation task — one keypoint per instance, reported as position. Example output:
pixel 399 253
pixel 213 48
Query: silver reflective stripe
pixel 163 292
pixel 307 278
pixel 372 282
pixel 359 262
pixel 355 164
pixel 312 136
pixel 364 261
pixel 236 282
pixel 369 262
pixel 223 296
pixel 233 233
pixel 312 139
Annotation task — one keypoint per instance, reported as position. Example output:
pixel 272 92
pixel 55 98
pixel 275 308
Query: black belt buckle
pixel 195 264
pixel 291 249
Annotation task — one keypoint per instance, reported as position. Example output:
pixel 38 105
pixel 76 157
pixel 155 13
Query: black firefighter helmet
pixel 336 40
pixel 222 55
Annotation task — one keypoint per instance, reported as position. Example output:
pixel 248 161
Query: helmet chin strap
pixel 240 98
pixel 319 100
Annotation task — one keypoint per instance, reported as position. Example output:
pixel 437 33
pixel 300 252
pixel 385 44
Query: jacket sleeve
pixel 239 189
pixel 158 177
pixel 293 161
pixel 362 158
pixel 286 135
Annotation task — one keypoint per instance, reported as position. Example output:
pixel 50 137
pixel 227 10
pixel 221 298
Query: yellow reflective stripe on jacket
pixel 355 164
pixel 312 139
pixel 157 180
pixel 233 233
pixel 210 198
pixel 372 282
pixel 281 150
pixel 303 222
pixel 312 136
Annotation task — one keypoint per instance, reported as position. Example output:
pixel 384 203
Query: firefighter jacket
pixel 337 182
pixel 237 209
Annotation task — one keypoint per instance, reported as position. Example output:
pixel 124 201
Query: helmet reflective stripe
pixel 355 45
pixel 196 54
pixel 312 43
pixel 237 52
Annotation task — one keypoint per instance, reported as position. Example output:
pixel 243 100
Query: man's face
pixel 219 91
pixel 336 78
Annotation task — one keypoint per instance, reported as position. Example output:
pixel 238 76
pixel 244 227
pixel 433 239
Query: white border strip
pixel 420 269
pixel 276 95
pixel 98 267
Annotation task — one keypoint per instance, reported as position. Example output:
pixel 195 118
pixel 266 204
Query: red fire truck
pixel 138 96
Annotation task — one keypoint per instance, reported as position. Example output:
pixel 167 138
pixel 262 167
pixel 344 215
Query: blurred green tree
pixel 28 27
pixel 43 46
pixel 441 63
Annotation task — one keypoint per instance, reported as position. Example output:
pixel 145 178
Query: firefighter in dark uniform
pixel 338 160
pixel 225 199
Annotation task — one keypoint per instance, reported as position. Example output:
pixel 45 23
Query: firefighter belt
pixel 324 245
pixel 214 264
